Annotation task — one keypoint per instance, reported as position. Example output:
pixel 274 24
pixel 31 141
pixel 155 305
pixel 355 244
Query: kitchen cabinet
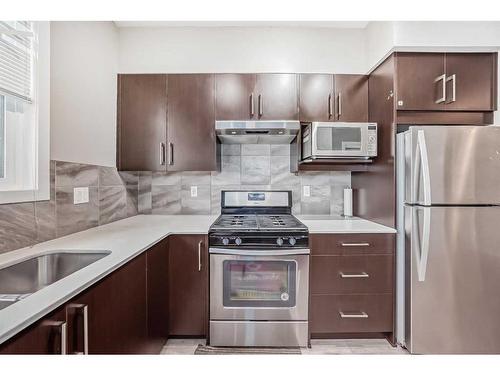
pixel 191 116
pixel 124 313
pixel 351 93
pixel 316 98
pixel 277 96
pixel 142 122
pixel 47 336
pixel 351 284
pixel 166 122
pixel 157 285
pixel 446 81
pixel 257 96
pixel 188 285
pixel 235 98
pixel 471 82
pixel 339 97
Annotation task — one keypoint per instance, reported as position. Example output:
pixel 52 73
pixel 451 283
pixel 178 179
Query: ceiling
pixel 310 24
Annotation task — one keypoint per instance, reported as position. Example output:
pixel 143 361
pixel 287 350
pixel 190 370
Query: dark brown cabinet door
pixel 351 97
pixel 316 97
pixel 157 280
pixel 471 81
pixel 142 122
pixel 43 337
pixel 117 313
pixel 191 117
pixel 235 99
pixel 188 285
pixel 277 96
pixel 420 81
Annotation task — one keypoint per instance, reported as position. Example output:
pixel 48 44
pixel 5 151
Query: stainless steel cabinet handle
pixel 162 153
pixel 348 244
pixel 330 106
pixel 353 275
pixel 453 79
pixel 85 312
pixel 63 333
pixel 441 78
pixel 261 110
pixel 340 104
pixel 199 255
pixel 171 153
pixel 252 107
pixel 355 315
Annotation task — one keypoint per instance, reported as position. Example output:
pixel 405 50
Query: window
pixel 24 122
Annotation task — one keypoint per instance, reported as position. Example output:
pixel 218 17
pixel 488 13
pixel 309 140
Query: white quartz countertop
pixel 339 224
pixel 126 239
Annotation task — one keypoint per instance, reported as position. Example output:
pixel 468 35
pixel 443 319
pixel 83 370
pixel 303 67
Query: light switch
pixel 80 195
pixel 194 191
pixel 307 191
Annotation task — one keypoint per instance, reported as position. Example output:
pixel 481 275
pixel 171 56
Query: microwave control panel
pixel 372 140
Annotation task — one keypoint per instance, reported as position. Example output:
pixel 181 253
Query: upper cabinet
pixel 166 122
pixel 446 81
pixel 316 100
pixel 327 97
pixel 351 92
pixel 257 97
pixel 235 97
pixel 142 122
pixel 191 117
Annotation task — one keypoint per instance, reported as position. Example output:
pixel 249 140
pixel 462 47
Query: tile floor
pixel 358 346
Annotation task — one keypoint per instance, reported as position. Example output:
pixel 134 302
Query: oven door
pixel 339 139
pixel 266 285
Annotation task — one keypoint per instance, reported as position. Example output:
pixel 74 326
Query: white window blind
pixel 16 59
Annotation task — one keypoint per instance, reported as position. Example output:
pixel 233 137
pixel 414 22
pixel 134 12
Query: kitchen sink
pixel 19 280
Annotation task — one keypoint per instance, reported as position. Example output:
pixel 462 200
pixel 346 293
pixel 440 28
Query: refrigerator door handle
pixel 422 244
pixel 422 166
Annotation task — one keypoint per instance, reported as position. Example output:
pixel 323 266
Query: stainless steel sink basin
pixel 19 280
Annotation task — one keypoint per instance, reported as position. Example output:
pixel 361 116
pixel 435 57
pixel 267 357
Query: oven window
pixel 265 283
pixel 339 138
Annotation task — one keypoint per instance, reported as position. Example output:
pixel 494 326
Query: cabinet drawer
pixel 351 274
pixel 352 244
pixel 351 313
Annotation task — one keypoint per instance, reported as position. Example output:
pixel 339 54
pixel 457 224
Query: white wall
pixel 83 92
pixel 379 42
pixel 240 50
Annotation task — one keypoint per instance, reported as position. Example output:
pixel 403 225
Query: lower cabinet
pixel 124 313
pixel 188 285
pixel 351 284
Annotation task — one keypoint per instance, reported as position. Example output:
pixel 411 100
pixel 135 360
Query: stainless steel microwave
pixel 329 140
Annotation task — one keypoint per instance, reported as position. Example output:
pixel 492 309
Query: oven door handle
pixel 250 252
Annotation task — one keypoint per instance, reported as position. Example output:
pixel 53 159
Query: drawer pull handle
pixel 348 244
pixel 355 315
pixel 354 275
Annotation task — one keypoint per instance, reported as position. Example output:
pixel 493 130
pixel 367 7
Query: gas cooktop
pixel 257 219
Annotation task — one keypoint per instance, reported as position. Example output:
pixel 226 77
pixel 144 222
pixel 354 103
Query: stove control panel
pixel 259 241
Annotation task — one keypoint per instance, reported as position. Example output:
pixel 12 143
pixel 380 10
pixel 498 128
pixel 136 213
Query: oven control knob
pixel 225 241
pixel 279 241
pixel 292 241
pixel 237 241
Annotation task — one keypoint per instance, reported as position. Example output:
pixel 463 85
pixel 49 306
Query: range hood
pixel 267 132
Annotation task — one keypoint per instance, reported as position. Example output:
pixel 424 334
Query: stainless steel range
pixel 259 272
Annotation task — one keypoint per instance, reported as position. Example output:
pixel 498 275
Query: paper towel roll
pixel 347 202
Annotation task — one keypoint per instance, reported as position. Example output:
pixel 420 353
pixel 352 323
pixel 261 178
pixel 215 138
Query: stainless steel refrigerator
pixel 448 253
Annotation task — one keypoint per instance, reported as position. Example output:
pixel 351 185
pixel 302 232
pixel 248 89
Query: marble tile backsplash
pixel 242 167
pixel 116 195
pixel 112 196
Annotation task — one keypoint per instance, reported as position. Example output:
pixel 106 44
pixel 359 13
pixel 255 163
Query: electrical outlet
pixel 80 195
pixel 194 191
pixel 307 191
